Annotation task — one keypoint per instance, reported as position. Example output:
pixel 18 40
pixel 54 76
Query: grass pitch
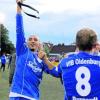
pixel 50 88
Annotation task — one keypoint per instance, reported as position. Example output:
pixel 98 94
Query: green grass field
pixel 50 88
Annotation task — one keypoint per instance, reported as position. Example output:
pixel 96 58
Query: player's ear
pixel 98 45
pixel 27 42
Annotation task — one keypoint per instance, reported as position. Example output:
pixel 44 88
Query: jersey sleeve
pixel 20 38
pixel 56 71
pixel 45 68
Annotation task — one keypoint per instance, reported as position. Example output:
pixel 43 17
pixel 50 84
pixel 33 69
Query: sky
pixel 59 19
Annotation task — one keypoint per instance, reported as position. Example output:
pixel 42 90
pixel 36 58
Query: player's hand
pixel 19 1
pixel 18 7
pixel 42 55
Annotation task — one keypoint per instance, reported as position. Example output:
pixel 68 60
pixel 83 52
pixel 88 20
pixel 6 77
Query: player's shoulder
pixel 69 57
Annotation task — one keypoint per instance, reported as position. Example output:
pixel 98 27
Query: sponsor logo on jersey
pixel 34 66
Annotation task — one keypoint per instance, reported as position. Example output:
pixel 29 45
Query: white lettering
pixel 88 61
pixel 34 66
pixel 82 61
pixel 70 63
pixel 75 98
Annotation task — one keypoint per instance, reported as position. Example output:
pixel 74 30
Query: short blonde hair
pixel 86 38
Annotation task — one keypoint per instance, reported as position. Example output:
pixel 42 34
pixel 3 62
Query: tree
pixel 5 45
pixel 46 48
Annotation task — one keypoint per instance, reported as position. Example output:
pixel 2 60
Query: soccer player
pixel 3 62
pixel 12 68
pixel 80 72
pixel 29 67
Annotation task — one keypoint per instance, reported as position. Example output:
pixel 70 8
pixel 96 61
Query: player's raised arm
pixel 20 38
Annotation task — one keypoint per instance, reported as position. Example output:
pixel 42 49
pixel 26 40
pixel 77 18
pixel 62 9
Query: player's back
pixel 81 74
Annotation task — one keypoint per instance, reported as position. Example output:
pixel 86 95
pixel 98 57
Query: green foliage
pixel 6 45
pixel 46 49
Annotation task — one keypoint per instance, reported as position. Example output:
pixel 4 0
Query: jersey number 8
pixel 83 75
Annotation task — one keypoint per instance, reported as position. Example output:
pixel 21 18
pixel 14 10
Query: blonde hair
pixel 86 38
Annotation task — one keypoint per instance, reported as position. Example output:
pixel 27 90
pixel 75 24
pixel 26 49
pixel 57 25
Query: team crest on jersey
pixel 34 66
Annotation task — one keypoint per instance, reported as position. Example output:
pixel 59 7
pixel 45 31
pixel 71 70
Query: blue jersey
pixel 29 68
pixel 3 59
pixel 80 74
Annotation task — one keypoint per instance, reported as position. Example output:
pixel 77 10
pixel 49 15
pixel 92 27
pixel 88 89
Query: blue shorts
pixel 18 98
